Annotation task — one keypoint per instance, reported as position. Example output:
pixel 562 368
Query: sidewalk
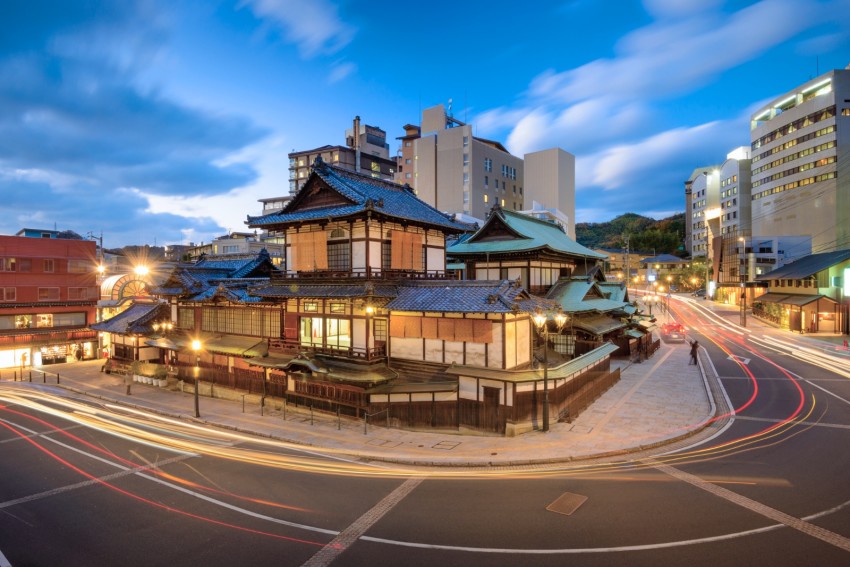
pixel 655 402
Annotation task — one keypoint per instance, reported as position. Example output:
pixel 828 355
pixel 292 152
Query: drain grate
pixel 567 503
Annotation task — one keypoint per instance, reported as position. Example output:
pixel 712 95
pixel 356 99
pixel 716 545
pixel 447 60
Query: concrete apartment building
pixel 365 150
pixel 458 172
pixel 800 143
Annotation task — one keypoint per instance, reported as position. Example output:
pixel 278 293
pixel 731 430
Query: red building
pixel 48 298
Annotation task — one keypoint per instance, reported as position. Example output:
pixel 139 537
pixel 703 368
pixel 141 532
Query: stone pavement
pixel 655 403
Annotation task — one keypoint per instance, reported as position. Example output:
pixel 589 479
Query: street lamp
pixel 650 300
pixel 196 347
pixel 541 319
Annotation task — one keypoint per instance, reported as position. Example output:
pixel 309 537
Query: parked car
pixel 673 332
pixel 699 293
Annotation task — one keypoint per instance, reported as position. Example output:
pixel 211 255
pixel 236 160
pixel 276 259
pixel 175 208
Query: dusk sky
pixel 163 122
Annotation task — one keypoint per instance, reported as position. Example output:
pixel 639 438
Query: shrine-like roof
pixel 582 295
pixel 356 194
pixel 511 231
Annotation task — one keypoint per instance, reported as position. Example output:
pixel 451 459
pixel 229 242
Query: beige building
pixel 457 172
pixel 550 179
pixel 800 143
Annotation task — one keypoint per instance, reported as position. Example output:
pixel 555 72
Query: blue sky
pixel 163 121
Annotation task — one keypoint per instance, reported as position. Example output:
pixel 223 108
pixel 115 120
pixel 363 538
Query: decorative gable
pixel 317 194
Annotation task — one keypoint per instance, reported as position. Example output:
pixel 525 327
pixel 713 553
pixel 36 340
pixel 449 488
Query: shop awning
pixel 771 298
pixel 634 333
pixel 237 346
pixel 166 343
pixel 801 300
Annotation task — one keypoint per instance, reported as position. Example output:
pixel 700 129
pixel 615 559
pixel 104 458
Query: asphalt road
pixel 96 485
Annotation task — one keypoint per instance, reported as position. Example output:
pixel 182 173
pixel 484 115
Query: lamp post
pixel 196 347
pixel 650 300
pixel 541 319
pixel 743 273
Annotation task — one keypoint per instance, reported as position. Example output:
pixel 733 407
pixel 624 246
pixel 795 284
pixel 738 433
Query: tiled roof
pixel 363 193
pixel 578 295
pixel 340 290
pixel 136 319
pixel 598 324
pixel 529 233
pixel 807 266
pixel 217 276
pixel 466 296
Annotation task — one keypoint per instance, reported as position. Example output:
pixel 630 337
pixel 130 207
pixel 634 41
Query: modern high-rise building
pixel 735 184
pixel 703 193
pixel 365 151
pixel 800 153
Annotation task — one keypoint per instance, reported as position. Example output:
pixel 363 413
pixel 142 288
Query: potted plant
pixel 136 371
pixel 161 375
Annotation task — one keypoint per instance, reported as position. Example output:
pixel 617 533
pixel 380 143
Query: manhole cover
pixel 446 445
pixel 567 503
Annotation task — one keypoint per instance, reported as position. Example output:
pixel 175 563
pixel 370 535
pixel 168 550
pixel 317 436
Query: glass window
pixel 8 293
pixel 79 266
pixel 48 293
pixel 78 292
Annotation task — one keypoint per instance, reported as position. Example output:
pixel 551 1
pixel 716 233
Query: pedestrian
pixel 694 349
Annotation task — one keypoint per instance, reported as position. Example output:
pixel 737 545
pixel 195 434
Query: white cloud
pixel 314 26
pixel 668 57
pixel 340 71
pixel 229 210
pixel 620 166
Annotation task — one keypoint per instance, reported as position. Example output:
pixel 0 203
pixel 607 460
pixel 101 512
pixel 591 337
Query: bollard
pixel 338 420
pixel 262 403
pixel 243 403
pixel 284 408
pixel 311 414
pixel 365 423
pixel 30 377
pixel 57 378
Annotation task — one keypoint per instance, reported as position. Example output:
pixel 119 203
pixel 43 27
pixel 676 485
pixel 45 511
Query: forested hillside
pixel 665 236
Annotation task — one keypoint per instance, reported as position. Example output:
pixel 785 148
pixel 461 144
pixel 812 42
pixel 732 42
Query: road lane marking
pixel 807 423
pixel 807 528
pixel 353 532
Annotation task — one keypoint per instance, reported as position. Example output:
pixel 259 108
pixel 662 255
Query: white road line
pixel 3 561
pixel 818 532
pixel 353 532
